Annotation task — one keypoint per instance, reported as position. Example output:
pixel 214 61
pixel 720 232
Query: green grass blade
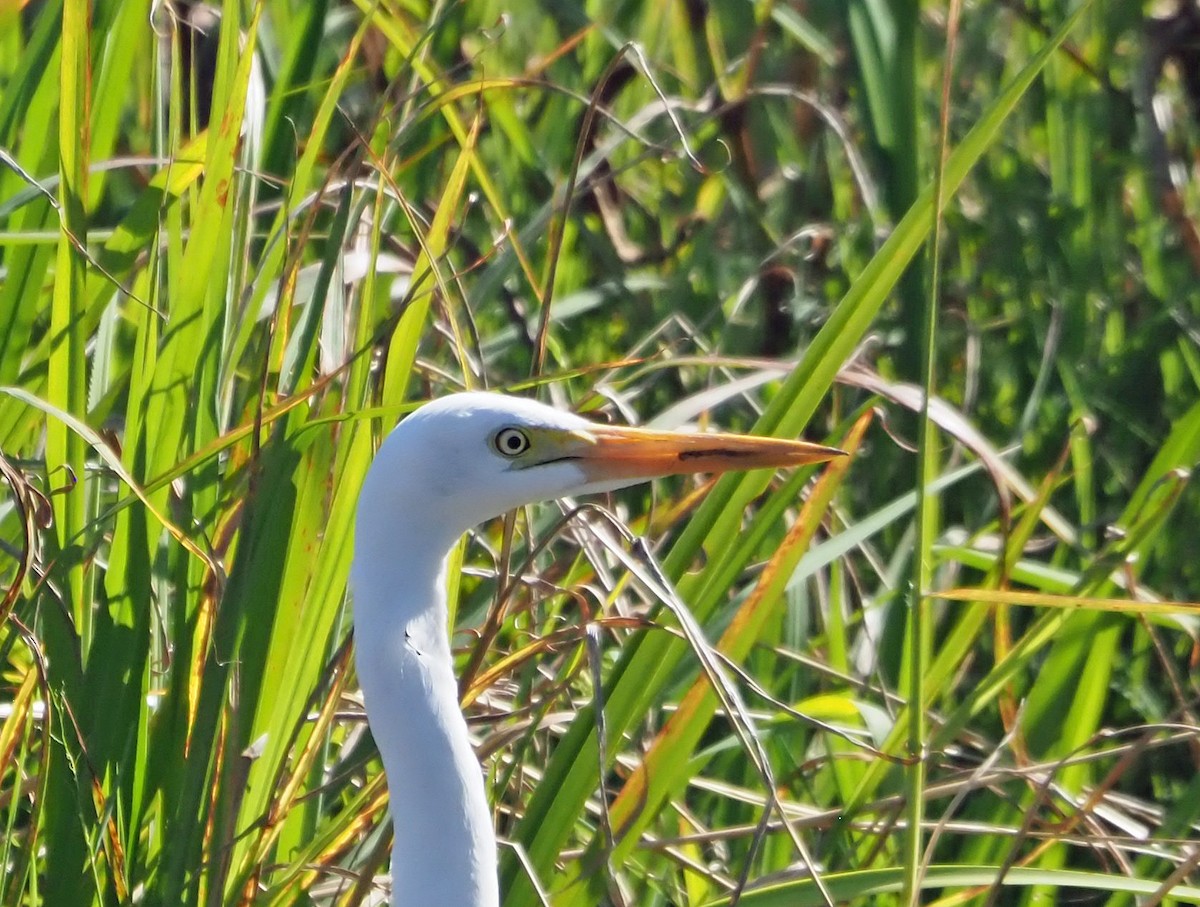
pixel 570 776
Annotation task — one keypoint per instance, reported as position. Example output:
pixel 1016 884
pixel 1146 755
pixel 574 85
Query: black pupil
pixel 513 442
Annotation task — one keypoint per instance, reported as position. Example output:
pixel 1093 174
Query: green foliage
pixel 236 245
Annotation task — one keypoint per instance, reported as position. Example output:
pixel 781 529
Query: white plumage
pixel 450 465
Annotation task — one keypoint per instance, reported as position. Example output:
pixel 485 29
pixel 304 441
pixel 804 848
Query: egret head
pixel 469 457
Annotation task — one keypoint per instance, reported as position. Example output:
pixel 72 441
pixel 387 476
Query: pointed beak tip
pixel 822 454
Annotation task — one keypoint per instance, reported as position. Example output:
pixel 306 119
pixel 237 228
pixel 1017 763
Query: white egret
pixel 452 464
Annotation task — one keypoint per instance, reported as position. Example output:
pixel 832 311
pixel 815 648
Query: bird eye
pixel 511 442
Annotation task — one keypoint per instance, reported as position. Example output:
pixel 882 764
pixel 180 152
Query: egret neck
pixel 443 849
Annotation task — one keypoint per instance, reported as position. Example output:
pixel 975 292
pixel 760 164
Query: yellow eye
pixel 511 442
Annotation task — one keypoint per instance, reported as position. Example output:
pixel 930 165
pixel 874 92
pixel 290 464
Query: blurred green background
pixel 238 243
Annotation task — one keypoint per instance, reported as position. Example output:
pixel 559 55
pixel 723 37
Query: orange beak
pixel 607 452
